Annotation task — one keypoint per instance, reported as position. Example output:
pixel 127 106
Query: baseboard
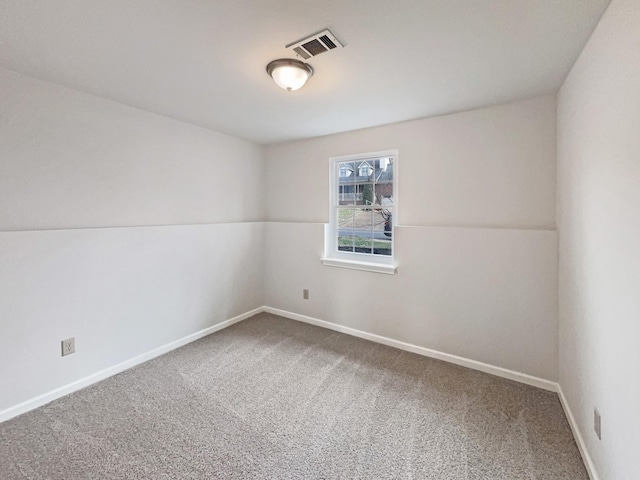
pixel 120 367
pixel 582 446
pixel 108 372
pixel 427 352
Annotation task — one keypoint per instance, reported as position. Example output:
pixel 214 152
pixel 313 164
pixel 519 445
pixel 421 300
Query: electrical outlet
pixel 305 294
pixel 597 423
pixel 68 346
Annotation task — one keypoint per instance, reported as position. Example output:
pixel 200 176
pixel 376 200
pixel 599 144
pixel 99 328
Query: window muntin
pixel 362 207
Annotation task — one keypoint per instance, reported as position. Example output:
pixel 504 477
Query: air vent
pixel 315 45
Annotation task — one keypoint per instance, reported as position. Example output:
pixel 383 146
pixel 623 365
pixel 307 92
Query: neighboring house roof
pixel 379 175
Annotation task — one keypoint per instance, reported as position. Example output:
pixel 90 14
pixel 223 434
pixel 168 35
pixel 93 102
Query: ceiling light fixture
pixel 289 73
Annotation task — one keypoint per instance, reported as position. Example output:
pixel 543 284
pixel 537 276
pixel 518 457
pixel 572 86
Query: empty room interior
pixel 320 240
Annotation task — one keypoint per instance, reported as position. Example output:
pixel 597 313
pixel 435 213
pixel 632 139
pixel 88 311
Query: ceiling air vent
pixel 315 44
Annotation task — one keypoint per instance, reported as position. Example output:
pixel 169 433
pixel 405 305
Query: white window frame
pixel 355 260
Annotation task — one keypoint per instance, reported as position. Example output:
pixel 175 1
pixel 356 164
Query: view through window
pixel 363 205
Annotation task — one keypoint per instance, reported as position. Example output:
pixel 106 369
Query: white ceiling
pixel 203 61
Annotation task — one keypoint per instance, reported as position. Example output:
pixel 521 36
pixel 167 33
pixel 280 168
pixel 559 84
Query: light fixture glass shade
pixel 289 74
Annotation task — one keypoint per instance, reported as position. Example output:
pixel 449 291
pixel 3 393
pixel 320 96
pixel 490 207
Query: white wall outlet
pixel 597 423
pixel 305 294
pixel 68 346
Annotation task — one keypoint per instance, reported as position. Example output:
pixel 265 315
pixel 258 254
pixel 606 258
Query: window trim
pixel 355 265
pixel 355 260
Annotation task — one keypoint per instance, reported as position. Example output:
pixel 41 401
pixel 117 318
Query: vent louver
pixel 302 52
pixel 314 47
pixel 315 44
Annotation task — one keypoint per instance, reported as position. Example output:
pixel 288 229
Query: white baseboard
pixel 427 352
pixel 108 372
pixel 120 367
pixel 586 458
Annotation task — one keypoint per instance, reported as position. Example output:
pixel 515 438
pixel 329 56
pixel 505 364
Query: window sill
pixel 355 265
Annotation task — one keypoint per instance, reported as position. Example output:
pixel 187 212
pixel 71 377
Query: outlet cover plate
pixel 68 346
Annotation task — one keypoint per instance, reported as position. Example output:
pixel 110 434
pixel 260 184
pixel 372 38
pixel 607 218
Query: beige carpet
pixel 273 398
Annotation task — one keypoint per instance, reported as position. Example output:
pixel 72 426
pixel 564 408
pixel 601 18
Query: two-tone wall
pixel 121 228
pixel 476 246
pixel 132 232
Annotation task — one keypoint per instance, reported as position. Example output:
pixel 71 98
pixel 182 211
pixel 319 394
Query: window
pixel 360 232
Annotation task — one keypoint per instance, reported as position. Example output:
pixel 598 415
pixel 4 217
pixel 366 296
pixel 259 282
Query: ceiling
pixel 203 61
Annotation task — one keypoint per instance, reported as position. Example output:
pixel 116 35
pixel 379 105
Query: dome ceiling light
pixel 289 73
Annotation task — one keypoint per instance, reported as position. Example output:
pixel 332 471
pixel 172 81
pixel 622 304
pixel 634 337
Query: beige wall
pixel 76 163
pixel 475 246
pixel 493 167
pixel 71 160
pixel 599 231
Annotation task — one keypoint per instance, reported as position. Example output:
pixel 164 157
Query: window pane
pixel 365 170
pixel 384 194
pixel 363 230
pixel 345 217
pixel 366 195
pixel 369 231
pixel 386 223
pixel 346 183
pixel 346 241
pixel 375 246
pixel 384 181
pixel 345 229
pixel 382 231
pixel 384 169
pixel 346 169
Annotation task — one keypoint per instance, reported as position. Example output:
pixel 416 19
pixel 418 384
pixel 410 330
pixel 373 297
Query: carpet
pixel 271 398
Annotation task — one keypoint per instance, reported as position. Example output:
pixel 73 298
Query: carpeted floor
pixel 277 399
